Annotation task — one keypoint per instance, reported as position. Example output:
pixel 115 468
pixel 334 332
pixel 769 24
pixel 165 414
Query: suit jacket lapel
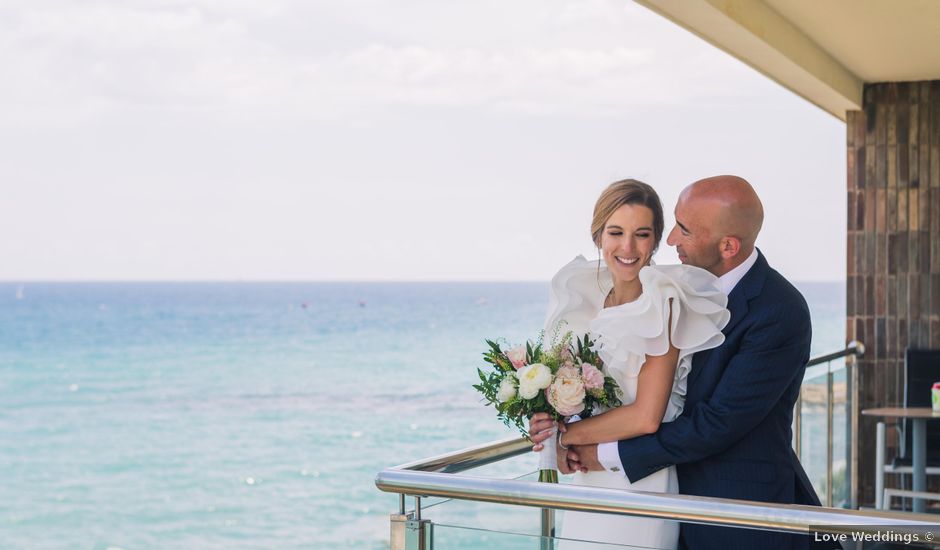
pixel 737 305
pixel 748 287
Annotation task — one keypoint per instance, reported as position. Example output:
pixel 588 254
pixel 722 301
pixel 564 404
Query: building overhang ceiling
pixel 823 50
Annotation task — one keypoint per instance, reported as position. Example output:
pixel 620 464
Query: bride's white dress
pixel 625 335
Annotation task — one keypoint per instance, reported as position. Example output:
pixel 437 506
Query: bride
pixel 647 321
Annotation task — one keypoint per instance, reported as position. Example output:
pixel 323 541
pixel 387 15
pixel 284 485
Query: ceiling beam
pixel 753 32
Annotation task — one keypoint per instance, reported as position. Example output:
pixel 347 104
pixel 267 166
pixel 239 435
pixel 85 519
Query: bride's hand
pixel 540 429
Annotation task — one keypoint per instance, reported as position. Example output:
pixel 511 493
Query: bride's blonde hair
pixel 619 193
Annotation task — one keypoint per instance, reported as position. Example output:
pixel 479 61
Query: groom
pixel 733 439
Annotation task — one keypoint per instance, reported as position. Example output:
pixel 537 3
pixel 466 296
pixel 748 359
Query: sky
pixel 370 140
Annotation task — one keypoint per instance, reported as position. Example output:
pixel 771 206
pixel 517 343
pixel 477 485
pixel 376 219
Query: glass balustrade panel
pixel 813 431
pixel 841 439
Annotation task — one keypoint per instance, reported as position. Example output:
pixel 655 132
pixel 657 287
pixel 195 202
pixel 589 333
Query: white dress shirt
pixel 608 454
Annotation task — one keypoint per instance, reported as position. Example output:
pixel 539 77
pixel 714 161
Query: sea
pixel 253 415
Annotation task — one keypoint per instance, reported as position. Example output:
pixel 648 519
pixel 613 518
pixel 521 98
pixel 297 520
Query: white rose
pixel 507 389
pixel 532 379
pixel 566 395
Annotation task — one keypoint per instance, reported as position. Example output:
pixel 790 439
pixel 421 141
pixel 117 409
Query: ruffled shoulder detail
pixel 642 327
pixel 577 293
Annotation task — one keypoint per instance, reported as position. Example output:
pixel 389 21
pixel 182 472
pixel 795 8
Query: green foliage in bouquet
pixel 529 379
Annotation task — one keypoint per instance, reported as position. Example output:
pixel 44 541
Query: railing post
pixel 879 465
pixel 418 532
pixel 397 523
pixel 418 535
pixel 852 393
pixel 829 411
pixel 798 425
pixel 548 529
pixel 851 365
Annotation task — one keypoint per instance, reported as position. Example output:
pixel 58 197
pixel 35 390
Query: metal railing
pixel 435 477
pixel 853 350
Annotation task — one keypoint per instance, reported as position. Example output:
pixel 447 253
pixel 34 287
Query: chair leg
pixel 880 466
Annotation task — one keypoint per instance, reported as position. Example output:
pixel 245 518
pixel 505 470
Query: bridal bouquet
pixel 563 380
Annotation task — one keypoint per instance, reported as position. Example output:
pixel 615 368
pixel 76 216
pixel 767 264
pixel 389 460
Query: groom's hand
pixel 584 458
pixel 564 465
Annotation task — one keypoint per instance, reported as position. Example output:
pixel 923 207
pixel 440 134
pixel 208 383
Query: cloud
pixel 297 139
pixel 68 63
pixel 527 79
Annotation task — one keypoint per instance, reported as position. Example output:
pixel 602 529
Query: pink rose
pixel 517 357
pixel 566 393
pixel 593 378
pixel 566 371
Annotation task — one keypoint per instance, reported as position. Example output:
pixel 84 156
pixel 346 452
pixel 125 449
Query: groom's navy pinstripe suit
pixel 733 439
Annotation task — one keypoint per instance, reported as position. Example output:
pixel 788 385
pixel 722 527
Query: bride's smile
pixel 627 245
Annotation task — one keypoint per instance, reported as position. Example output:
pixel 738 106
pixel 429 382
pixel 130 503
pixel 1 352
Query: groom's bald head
pixel 736 209
pixel 717 222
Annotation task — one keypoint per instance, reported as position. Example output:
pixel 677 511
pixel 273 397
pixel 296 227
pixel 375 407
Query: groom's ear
pixel 730 246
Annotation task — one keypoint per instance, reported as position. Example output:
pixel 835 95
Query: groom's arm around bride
pixel 733 439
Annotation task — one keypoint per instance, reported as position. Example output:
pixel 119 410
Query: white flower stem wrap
pixel 548 456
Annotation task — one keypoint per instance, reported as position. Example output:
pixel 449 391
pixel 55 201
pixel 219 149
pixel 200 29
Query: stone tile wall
pixel 893 279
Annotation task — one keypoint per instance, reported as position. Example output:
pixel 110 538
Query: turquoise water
pixel 245 415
